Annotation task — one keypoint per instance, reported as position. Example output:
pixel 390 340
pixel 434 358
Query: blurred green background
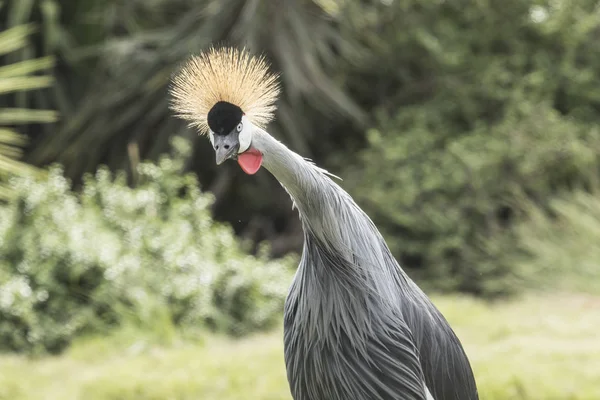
pixel 132 268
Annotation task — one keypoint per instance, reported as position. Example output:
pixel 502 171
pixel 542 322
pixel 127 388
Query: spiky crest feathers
pixel 229 75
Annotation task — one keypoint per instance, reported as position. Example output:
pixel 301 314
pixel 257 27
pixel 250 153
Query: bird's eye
pixel 239 127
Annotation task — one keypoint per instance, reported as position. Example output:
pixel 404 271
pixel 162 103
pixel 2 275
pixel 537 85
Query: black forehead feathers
pixel 223 117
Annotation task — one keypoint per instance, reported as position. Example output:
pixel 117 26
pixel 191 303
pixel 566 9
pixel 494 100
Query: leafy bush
pixel 74 263
pixel 563 249
pixel 448 206
pixel 474 123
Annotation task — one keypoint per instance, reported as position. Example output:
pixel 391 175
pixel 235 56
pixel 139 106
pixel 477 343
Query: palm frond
pixel 17 78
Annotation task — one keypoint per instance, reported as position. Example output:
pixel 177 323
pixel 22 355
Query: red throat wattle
pixel 250 160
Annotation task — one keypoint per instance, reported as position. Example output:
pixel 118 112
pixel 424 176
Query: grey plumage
pixel 356 326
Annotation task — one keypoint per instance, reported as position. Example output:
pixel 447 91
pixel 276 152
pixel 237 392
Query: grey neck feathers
pixel 307 184
pixel 330 216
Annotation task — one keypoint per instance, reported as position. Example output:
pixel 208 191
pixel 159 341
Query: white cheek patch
pixel 211 136
pixel 245 137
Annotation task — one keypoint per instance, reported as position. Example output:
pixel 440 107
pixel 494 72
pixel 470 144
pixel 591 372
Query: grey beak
pixel 226 146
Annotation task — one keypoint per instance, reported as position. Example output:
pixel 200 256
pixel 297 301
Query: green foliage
pixel 482 123
pixel 18 78
pixel 563 249
pixel 76 263
pixel 449 207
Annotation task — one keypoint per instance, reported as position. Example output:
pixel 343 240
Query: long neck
pixel 300 177
pixel 340 239
pixel 312 191
pixel 328 213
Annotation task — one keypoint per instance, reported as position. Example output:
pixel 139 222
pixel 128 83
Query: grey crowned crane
pixel 356 327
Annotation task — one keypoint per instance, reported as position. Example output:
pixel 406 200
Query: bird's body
pixel 356 326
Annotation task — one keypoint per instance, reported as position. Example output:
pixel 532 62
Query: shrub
pixel 448 205
pixel 563 249
pixel 473 124
pixel 83 262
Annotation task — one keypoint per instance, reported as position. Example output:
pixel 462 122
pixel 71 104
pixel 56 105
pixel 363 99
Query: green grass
pixel 537 347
